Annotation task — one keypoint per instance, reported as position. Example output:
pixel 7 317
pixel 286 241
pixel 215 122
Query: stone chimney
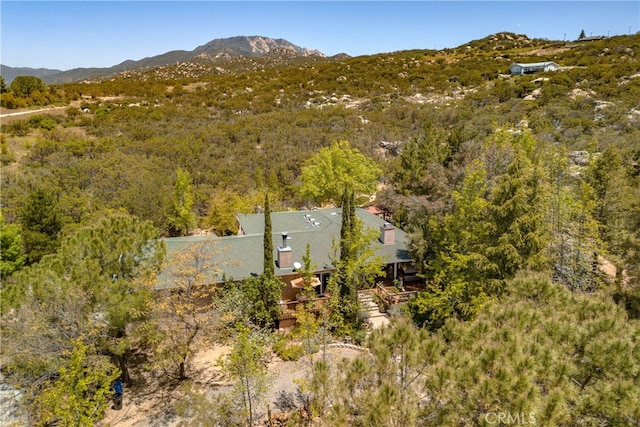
pixel 285 254
pixel 387 234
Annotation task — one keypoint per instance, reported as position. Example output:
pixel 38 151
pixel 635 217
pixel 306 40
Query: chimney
pixel 387 234
pixel 285 254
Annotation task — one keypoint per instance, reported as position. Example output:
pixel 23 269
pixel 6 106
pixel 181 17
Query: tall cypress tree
pixel 345 285
pixel 268 268
pixel 347 226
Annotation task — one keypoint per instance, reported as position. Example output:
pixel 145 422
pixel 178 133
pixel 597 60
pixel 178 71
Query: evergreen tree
pixel 260 296
pixel 97 285
pixel 41 223
pixel 344 282
pixel 268 267
pixel 456 269
pixel 518 234
pixel 357 266
pixel 421 166
pixel 539 355
pixel 11 256
pixel 24 86
pixel 614 200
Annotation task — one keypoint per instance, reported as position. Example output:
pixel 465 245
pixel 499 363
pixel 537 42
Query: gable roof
pixel 241 256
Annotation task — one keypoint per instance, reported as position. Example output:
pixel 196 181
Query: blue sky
pixel 70 34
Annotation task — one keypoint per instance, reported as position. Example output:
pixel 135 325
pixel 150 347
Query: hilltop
pixel 241 53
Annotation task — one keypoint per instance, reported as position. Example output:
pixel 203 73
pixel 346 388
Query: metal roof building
pixel 534 67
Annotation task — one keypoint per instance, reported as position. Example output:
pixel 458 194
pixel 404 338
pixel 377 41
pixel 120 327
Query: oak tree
pixel 328 172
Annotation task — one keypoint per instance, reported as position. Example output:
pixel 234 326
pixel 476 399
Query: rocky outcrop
pixel 253 46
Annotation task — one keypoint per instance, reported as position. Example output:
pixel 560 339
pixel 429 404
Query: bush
pixel 17 127
pixel 47 123
pixel 5 153
pixel 7 100
pixel 288 351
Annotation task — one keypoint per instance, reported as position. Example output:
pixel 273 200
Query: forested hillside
pixel 521 194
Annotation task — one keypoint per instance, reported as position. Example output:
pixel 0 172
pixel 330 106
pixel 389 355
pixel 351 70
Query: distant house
pixel 241 256
pixel 590 39
pixel 519 69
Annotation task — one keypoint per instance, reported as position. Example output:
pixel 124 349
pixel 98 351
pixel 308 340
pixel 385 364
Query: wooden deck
pixel 386 295
pixel 391 295
pixel 289 307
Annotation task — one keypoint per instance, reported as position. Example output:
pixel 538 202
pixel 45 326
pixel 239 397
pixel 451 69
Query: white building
pixel 534 67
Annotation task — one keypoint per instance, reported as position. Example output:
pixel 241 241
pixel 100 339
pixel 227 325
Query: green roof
pixel 240 257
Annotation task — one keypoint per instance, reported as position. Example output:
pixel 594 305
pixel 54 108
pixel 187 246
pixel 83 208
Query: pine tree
pixel 98 285
pixel 457 268
pixel 41 223
pixel 518 235
pixel 11 256
pixel 421 166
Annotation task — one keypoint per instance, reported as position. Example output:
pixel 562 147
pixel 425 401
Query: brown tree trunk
pixel 124 368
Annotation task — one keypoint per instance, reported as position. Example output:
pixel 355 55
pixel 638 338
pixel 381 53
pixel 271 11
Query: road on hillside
pixel 25 112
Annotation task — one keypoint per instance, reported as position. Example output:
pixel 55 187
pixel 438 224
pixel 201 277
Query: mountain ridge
pixel 237 46
pixel 243 53
pixel 10 73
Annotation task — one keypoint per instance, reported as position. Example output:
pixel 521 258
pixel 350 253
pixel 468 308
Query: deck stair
pixel 367 300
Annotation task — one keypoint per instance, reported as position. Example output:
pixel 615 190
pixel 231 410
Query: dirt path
pixel 27 112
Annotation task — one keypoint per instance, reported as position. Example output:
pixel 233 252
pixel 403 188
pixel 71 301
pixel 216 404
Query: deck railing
pixel 392 296
pixel 313 305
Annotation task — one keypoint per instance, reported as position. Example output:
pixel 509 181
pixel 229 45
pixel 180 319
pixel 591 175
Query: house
pixel 241 256
pixel 590 39
pixel 534 67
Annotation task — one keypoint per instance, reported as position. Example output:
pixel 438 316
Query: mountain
pixel 221 49
pixel 251 46
pixel 10 73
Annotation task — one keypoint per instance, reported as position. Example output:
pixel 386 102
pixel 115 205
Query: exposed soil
pixel 150 401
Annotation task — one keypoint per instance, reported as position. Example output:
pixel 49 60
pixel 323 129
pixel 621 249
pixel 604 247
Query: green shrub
pixel 287 350
pixel 47 123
